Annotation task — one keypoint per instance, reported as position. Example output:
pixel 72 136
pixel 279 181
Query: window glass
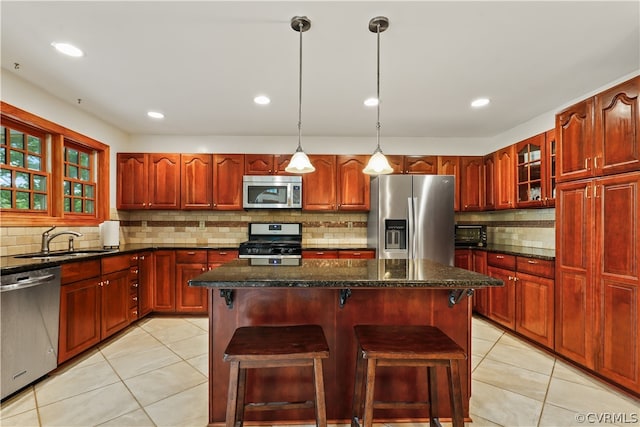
pixel 79 184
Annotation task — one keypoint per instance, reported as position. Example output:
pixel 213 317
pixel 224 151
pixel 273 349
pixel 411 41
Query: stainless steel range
pixel 273 244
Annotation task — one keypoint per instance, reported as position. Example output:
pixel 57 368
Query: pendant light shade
pixel 299 161
pixel 378 163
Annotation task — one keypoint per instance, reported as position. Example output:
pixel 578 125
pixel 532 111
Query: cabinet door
pixel 227 181
pixel 132 185
pixel 352 184
pixel 79 318
pixel 463 259
pixel 505 179
pixel 164 293
pixel 145 283
pixel 421 165
pixel 319 187
pixel 450 165
pixel 280 162
pixel 471 183
pixel 617 280
pixel 258 164
pixel 190 299
pixel 490 182
pixel 114 302
pixel 164 181
pixel 396 162
pixel 502 301
pixel 574 293
pixel 196 181
pixel 574 133
pixel 549 153
pixel 529 172
pixel 319 254
pixel 617 129
pixel 534 308
pixel 354 254
pixel 480 296
pixel 215 258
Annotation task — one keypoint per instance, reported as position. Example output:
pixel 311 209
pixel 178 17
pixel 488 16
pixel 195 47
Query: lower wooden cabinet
pixel 502 301
pixel 189 264
pixel 535 288
pixel 145 283
pixel 164 290
pixel 341 253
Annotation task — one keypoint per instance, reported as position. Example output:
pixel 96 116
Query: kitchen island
pixel 336 294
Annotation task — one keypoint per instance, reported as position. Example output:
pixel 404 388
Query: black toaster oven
pixel 471 235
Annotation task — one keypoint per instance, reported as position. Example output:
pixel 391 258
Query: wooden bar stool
pixel 255 347
pixel 421 346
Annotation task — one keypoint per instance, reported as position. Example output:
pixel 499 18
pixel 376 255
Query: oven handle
pixel 269 256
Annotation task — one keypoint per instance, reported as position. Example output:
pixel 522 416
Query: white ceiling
pixel 201 63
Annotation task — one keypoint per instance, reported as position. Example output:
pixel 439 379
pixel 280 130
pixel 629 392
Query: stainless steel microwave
pixel 272 192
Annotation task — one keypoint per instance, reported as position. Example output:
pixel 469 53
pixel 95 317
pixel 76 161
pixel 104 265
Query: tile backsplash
pixel 530 227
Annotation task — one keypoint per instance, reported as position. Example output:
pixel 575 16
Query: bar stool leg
pixel 369 389
pixel 232 397
pixel 453 371
pixel 242 387
pixel 321 409
pixel 357 406
pixel 432 387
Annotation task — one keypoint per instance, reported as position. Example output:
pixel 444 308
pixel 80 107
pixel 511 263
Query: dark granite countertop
pixel 344 273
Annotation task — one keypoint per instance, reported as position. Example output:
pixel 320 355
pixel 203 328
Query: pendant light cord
pixel 378 90
pixel 300 25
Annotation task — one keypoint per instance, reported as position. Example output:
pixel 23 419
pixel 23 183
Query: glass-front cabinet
pixel 549 183
pixel 530 174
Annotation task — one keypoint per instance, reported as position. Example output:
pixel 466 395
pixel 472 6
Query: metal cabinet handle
pixel 500 256
pixel 532 261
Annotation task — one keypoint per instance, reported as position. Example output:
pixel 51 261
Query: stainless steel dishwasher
pixel 30 304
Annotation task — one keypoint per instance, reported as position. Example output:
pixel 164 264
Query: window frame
pixel 54 146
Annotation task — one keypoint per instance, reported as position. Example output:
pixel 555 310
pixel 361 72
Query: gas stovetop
pixel 273 240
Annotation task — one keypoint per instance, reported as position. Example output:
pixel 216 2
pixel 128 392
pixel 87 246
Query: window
pixel 49 174
pixel 79 185
pixel 23 174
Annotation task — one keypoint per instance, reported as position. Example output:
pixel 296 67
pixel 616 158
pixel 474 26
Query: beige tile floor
pixel 155 374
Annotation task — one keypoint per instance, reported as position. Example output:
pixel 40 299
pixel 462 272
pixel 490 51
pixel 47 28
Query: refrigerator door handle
pixel 414 235
pixel 411 225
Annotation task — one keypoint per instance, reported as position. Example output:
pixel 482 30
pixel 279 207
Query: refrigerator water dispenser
pixel 395 232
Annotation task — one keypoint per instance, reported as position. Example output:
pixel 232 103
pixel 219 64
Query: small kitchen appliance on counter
pixel 273 244
pixel 471 235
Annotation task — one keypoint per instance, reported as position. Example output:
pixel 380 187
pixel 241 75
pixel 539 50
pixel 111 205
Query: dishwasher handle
pixel 27 283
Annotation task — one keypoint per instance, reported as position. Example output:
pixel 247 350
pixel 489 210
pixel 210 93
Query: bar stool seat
pixel 255 347
pixel 419 346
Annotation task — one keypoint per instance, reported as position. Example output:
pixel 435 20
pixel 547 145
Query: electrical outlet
pixel 201 226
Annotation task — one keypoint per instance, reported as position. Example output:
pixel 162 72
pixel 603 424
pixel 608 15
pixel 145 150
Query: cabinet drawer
pixel 74 271
pixel 222 255
pixel 115 263
pixel 501 260
pixel 191 257
pixel 536 267
pixel 319 254
pixel 365 254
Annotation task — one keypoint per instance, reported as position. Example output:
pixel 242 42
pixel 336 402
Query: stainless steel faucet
pixel 47 238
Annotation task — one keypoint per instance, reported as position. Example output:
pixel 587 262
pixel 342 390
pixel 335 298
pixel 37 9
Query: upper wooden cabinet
pixel 490 181
pixel 450 165
pixel 352 184
pixel 228 170
pixel 148 181
pixel 421 165
pixel 266 164
pixel 530 184
pixel 472 183
pixel 599 136
pixel 319 187
pixel 505 193
pixel 549 168
pixel 196 181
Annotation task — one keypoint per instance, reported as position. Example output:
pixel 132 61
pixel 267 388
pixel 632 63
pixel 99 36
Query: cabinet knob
pixel 142 257
pixel 134 299
pixel 134 258
pixel 532 261
pixel 500 256
pixel 135 271
pixel 204 269
pixel 222 253
pixel 135 285
pixel 106 282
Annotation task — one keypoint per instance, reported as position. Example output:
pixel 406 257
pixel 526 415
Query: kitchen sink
pixel 80 252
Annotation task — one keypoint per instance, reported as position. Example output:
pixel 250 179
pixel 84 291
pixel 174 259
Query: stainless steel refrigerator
pixel 412 217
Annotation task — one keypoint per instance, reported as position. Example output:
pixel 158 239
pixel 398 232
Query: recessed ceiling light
pixel 480 102
pixel 155 115
pixel 68 49
pixel 371 102
pixel 261 100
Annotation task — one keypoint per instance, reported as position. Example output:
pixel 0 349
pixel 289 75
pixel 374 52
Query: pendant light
pixel 299 161
pixel 378 163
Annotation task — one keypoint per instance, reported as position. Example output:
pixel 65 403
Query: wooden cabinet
pixel 535 300
pixel 420 165
pixel 145 283
pixel 189 264
pixel 132 190
pixel 450 165
pixel 357 254
pixel 215 258
pixel 502 301
pixel 480 296
pixel 319 187
pixel 228 170
pixel 549 168
pixel 196 181
pixel 489 181
pixel 114 294
pixel 530 184
pixel 597 279
pixel 164 291
pixel 79 308
pixel 339 253
pixel 352 184
pixel 471 183
pixel 505 193
pixel 148 181
pixel 462 259
pixel 319 254
pixel 600 135
pixel 266 164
